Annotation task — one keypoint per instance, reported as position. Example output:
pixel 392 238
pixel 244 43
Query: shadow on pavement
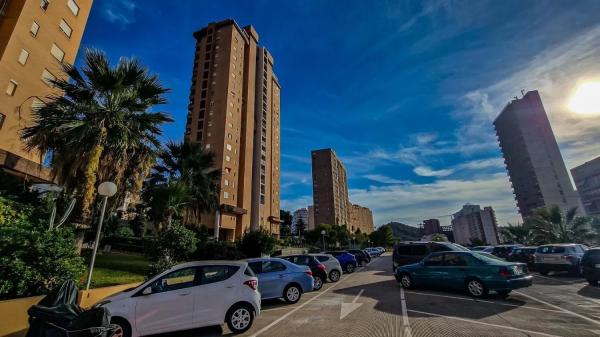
pixel 555 279
pixel 590 291
pixel 200 332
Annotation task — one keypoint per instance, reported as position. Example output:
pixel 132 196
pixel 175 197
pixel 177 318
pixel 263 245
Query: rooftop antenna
pixel 522 92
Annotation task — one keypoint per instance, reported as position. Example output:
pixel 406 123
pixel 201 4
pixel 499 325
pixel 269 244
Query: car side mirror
pixel 147 291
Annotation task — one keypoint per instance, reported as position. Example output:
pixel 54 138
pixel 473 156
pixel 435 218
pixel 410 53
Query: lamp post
pixel 106 189
pixel 369 243
pixel 353 241
pixel 323 236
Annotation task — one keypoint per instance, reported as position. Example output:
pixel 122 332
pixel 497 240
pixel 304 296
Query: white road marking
pixel 559 308
pixel 483 301
pixel 559 280
pixel 484 323
pixel 275 322
pixel 407 330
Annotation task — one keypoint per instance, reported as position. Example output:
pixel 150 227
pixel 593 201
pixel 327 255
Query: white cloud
pixel 480 164
pixel 120 11
pixel 385 179
pixel 428 172
pixel 426 137
pixel 294 204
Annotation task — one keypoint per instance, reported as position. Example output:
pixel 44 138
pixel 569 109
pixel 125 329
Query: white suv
pixel 187 296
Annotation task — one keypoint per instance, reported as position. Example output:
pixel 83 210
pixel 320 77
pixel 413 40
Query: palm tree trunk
pixel 89 188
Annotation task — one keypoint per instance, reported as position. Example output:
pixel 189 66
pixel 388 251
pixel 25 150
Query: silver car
pixel 558 257
pixel 332 266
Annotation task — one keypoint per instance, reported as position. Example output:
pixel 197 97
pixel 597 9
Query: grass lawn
pixel 116 268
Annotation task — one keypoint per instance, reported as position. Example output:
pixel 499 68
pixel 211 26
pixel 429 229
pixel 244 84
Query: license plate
pixel 517 270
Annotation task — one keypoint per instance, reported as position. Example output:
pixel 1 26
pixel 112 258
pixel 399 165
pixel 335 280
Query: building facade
pixel 299 215
pixel 361 218
pixel 36 38
pixel 472 222
pixel 234 111
pixel 587 181
pixel 431 226
pixel 311 218
pixel 536 168
pixel 330 189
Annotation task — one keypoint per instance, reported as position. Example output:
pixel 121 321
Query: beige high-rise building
pixel 330 189
pixel 36 36
pixel 234 111
pixel 361 218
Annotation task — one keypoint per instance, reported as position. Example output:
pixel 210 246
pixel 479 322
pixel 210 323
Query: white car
pixel 189 295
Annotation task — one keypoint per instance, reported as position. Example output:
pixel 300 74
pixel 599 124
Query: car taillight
pixel 321 266
pixel 504 272
pixel 253 284
pixel 308 272
pixel 568 257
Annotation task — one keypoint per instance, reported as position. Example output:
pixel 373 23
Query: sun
pixel 586 100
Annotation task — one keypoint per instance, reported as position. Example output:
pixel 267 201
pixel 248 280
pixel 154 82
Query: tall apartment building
pixel 431 226
pixel 536 168
pixel 471 222
pixel 330 189
pixel 587 181
pixel 234 111
pixel 36 36
pixel 361 218
pixel 311 218
pixel 299 215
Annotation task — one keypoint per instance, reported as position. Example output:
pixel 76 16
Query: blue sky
pixel 403 91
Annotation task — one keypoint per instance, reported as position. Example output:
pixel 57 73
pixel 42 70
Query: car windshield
pixel 551 250
pixel 487 258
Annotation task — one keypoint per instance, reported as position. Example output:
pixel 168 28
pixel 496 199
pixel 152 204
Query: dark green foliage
pixel 551 225
pixel 173 244
pixel 404 232
pixel 159 266
pixel 285 228
pixel 256 243
pixel 383 236
pixel 217 250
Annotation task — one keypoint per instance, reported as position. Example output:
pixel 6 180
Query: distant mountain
pixel 405 232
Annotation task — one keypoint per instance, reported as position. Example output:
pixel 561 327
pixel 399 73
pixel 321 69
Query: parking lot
pixel 375 305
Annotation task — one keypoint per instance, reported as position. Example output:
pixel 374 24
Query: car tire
pixel 405 281
pixel 334 276
pixel 350 268
pixel 122 327
pixel 476 288
pixel 318 283
pixel 239 318
pixel 292 293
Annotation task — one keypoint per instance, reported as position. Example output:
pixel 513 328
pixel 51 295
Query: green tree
pixel 173 244
pixel 257 243
pixel 98 124
pixel 300 227
pixel 517 234
pixel 168 201
pixel 286 224
pixel 551 225
pixel 383 236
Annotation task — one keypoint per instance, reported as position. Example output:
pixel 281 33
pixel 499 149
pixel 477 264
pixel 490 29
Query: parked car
pixel 522 254
pixel 480 248
pixel 502 251
pixel 361 257
pixel 590 266
pixel 374 252
pixel 332 266
pixel 412 252
pixel 279 278
pixel 381 249
pixel 558 257
pixel 318 269
pixel 473 272
pixel 189 295
pixel 347 260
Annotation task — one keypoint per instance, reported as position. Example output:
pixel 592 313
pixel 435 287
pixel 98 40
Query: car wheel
pixel 292 293
pixel 334 276
pixel 318 284
pixel 503 293
pixel 350 268
pixel 239 318
pixel 543 272
pixel 476 288
pixel 405 281
pixel 122 327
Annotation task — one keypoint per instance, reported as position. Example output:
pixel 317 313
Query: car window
pixel 551 250
pixel 256 267
pixel 249 272
pixel 322 258
pixel 419 250
pixel 486 258
pixel 452 260
pixel 212 274
pixel 593 253
pixel 179 279
pixel 403 250
pixel 272 266
pixel 435 260
pixel 517 251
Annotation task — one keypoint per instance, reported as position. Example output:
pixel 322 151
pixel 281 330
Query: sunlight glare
pixel 586 99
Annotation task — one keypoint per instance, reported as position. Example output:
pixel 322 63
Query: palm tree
pixel 168 200
pixel 551 225
pixel 517 234
pixel 98 124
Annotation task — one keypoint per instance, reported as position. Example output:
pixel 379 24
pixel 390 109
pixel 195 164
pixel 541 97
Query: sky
pixel 405 92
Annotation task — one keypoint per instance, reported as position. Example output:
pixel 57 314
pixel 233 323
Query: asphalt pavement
pixel 370 303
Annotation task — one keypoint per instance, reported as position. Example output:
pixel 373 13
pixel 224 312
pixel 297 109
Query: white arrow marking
pixel 347 308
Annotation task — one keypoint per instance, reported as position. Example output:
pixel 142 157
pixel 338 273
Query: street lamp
pixel 369 243
pixel 106 189
pixel 353 241
pixel 323 236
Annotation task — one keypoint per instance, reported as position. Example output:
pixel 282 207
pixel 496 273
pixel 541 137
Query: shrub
pixel 158 267
pixel 257 243
pixel 175 244
pixel 33 260
pixel 124 232
pixel 217 250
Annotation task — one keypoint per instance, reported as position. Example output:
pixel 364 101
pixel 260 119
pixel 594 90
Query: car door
pixel 275 277
pixel 167 304
pixel 455 269
pixel 431 271
pixel 215 294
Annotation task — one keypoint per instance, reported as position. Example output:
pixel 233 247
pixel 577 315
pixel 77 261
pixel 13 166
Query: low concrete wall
pixel 13 313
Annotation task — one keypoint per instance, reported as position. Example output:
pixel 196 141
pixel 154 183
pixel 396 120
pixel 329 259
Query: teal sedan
pixel 476 273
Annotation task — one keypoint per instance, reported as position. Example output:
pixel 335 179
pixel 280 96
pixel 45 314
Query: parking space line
pixel 559 308
pixel 559 280
pixel 483 323
pixel 483 301
pixel 407 330
pixel 275 322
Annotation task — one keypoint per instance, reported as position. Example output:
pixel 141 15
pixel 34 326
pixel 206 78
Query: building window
pixel 229 147
pixel 208 146
pixel 227 158
pixel 34 29
pixel 73 7
pixel 64 26
pixel 12 87
pixel 226 182
pixel 23 56
pixel 58 53
pixel 2 118
pixel 225 195
pixel 47 77
pixel 44 4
